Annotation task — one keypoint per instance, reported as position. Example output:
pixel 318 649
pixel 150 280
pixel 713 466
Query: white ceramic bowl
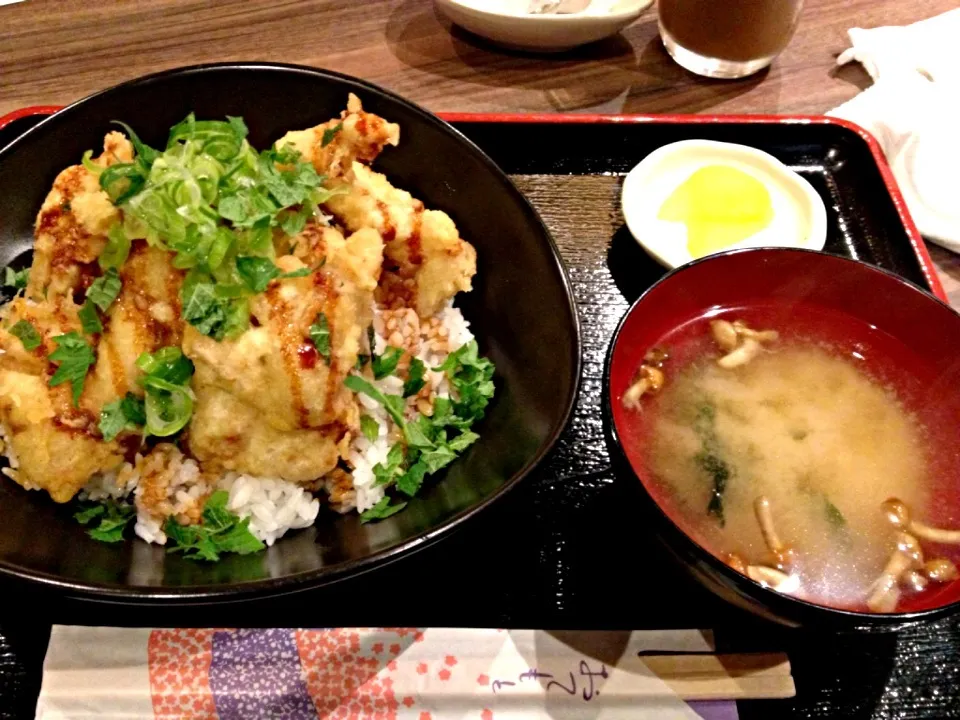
pixel 800 217
pixel 505 23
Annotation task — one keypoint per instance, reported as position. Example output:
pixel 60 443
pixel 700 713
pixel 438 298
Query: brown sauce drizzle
pixel 174 283
pixel 117 372
pixel 389 231
pixel 86 274
pixel 414 244
pixel 290 342
pixel 75 422
pixel 130 444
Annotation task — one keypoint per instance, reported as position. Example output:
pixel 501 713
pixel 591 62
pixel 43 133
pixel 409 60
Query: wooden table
pixel 55 51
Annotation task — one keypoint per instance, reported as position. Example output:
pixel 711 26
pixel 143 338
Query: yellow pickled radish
pixel 720 206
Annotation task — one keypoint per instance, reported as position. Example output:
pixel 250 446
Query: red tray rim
pixel 916 240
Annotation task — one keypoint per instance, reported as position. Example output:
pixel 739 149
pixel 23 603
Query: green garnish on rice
pixel 220 532
pixel 431 442
pixel 111 516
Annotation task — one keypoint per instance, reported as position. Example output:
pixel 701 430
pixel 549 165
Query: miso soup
pixel 776 449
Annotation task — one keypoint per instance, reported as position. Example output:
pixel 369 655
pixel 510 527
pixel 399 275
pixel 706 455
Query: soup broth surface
pixel 809 430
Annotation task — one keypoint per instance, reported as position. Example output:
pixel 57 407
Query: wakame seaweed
pixel 709 460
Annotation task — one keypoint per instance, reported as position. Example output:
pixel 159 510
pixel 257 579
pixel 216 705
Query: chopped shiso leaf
pixel 257 272
pixel 386 473
pixel 74 357
pixel 111 516
pixel 27 333
pixel 89 320
pixel 17 279
pixel 329 134
pixel 320 336
pixel 369 427
pixel 221 531
pixel 472 376
pixel 383 509
pixel 415 379
pixel 393 404
pixel 104 290
pixel 127 413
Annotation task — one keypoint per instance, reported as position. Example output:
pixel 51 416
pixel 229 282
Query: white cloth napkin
pixel 912 110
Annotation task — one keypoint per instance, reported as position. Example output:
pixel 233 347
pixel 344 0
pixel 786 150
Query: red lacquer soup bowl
pixel 905 339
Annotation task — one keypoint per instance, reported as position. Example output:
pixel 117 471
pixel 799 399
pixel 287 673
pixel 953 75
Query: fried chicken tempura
pixel 423 248
pixel 71 229
pixel 422 245
pixel 357 136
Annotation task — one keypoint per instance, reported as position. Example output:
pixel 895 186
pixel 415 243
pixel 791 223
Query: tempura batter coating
pixel 423 247
pixel 273 373
pixel 356 136
pixel 71 228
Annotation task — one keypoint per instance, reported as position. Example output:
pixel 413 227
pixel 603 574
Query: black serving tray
pixel 567 549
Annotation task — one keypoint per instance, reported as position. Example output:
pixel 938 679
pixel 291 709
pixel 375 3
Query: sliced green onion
pixel 117 249
pixel 89 164
pixel 168 407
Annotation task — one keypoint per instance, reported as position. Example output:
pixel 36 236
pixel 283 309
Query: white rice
pixel 274 506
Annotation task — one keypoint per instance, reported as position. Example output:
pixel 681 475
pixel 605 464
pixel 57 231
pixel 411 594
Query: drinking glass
pixel 727 38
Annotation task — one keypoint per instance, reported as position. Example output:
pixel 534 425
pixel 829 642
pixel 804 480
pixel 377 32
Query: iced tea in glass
pixel 727 38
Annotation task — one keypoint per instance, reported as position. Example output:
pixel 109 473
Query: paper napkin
pixel 401 673
pixel 911 109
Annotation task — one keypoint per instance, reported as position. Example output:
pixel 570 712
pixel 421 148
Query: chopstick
pixel 724 676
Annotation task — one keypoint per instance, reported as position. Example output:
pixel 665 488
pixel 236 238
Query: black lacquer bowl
pixel 522 313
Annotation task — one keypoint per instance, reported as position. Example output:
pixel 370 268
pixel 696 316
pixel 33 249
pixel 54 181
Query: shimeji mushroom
pixel 737 563
pixel 763 336
pixel 725 334
pixel 940 570
pixel 778 578
pixel 914 580
pixel 773 578
pixel 782 553
pixel 899 516
pixel 886 589
pixel 741 355
pixel 650 378
pixel 741 343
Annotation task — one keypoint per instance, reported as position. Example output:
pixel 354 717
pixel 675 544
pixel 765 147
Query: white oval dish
pixel 506 23
pixel 800 217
